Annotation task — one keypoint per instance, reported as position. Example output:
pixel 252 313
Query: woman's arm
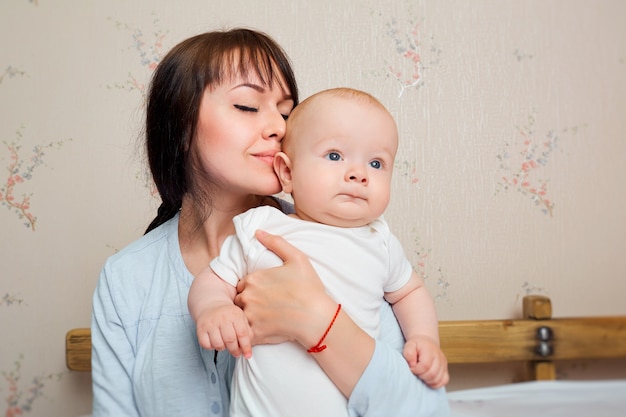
pixel 290 303
pixel 388 384
pixel 112 358
pixel 415 310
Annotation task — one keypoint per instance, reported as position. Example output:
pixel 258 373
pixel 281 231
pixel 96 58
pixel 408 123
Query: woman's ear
pixel 282 167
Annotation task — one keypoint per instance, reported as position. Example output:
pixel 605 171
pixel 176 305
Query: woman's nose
pixel 275 127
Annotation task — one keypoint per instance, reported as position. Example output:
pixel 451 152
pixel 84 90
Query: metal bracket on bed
pixel 539 308
pixel 537 339
pixel 544 342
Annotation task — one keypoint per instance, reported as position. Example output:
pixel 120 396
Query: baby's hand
pixel 427 361
pixel 225 327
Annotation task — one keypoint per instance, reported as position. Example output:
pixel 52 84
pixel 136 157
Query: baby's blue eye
pixel 376 164
pixel 333 156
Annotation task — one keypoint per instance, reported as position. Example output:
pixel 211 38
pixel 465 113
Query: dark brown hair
pixel 174 97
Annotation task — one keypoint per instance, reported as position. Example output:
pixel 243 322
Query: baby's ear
pixel 282 167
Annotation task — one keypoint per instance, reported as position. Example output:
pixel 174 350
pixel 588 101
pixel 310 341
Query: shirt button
pixel 215 408
pixel 213 377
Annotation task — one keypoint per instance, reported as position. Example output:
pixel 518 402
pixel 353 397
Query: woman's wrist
pixel 315 317
pixel 320 346
pixel 348 351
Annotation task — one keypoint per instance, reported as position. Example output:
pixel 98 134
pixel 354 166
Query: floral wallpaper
pixel 509 179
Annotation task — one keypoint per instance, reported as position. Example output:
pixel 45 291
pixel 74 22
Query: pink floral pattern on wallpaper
pixel 20 167
pixel 408 63
pixel 440 292
pixel 149 49
pixel 523 160
pixel 22 394
pixel 522 56
pixel 528 288
pixel 407 170
pixel 407 45
pixel 11 72
pixel 10 299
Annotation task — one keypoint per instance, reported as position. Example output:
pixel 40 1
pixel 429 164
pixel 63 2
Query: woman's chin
pixel 270 189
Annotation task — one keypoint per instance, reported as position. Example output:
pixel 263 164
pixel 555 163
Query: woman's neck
pixel 201 232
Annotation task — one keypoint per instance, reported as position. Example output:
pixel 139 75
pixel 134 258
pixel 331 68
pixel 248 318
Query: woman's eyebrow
pixel 261 89
pixel 255 87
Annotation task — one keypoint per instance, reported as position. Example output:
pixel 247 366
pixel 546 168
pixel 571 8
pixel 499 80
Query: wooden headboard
pixel 538 340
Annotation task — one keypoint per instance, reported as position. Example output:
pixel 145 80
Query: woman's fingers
pixel 277 244
pixel 280 301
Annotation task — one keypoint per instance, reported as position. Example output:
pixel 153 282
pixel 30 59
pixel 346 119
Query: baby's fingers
pixel 244 338
pixel 205 340
pixel 215 338
pixel 433 371
pixel 410 353
pixel 228 340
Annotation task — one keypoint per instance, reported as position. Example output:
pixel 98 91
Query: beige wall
pixel 509 180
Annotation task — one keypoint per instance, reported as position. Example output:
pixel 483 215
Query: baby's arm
pixel 220 323
pixel 415 311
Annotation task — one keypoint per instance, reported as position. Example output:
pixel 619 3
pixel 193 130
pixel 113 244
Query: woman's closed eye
pixel 254 110
pixel 246 108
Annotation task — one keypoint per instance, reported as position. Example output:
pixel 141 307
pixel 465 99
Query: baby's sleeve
pixel 400 268
pixel 238 250
pixel 231 264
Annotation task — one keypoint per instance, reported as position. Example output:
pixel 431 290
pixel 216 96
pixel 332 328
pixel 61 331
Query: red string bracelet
pixel 320 347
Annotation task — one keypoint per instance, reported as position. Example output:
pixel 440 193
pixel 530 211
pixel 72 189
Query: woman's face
pixel 241 124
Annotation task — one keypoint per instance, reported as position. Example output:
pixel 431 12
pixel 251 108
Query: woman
pixel 215 119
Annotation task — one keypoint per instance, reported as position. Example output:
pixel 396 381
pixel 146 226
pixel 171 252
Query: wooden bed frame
pixel 537 340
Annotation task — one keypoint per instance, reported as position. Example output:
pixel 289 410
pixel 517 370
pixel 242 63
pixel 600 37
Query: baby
pixel 336 162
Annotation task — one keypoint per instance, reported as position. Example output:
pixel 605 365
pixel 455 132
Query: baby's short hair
pixel 338 92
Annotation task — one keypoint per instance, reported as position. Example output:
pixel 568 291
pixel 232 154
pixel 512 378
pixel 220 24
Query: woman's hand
pixel 286 302
pixel 289 302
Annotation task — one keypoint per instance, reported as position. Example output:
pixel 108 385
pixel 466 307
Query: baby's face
pixel 342 153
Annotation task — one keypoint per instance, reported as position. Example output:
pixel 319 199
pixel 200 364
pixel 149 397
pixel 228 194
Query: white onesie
pixel 357 266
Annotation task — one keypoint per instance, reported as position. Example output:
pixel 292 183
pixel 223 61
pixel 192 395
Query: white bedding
pixel 543 398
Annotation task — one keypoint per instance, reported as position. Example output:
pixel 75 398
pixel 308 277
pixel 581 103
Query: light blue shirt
pixel 146 360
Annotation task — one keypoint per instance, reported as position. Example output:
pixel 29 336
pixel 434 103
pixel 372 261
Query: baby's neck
pixel 347 224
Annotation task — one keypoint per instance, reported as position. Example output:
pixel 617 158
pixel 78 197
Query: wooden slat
pixel 484 341
pixel 477 341
pixel 542 371
pixel 78 349
pixel 489 341
pixel 538 307
pixel 589 338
